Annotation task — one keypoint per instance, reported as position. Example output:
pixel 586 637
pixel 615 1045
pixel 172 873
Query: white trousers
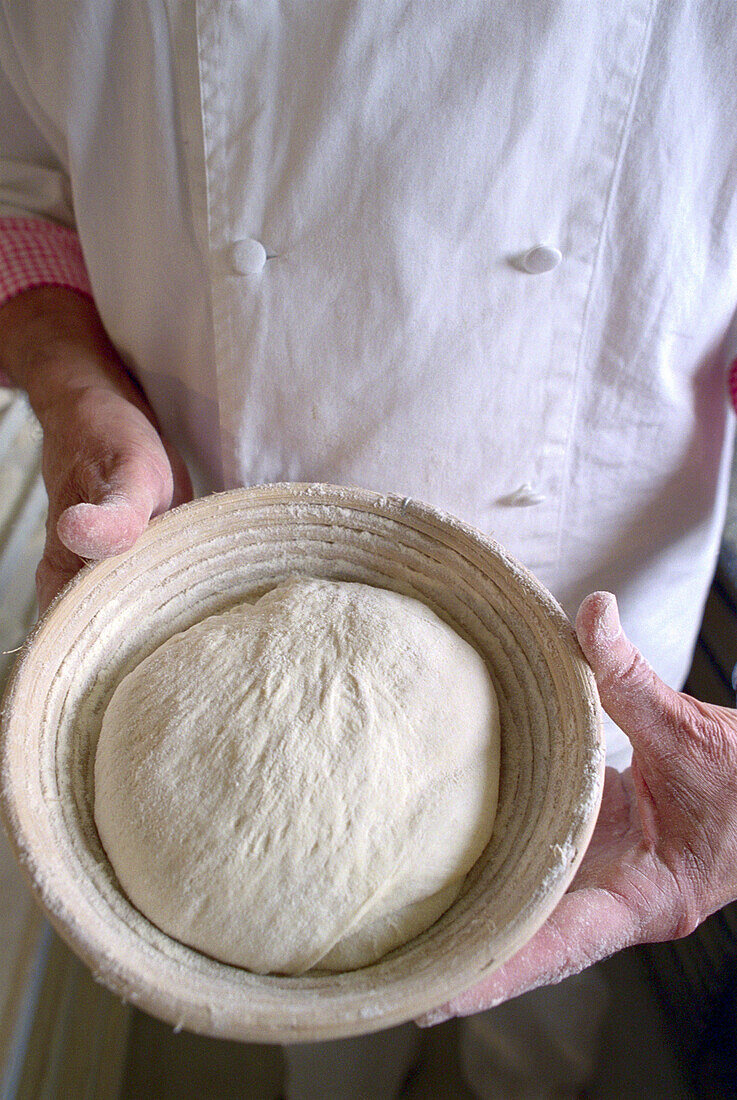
pixel 543 1044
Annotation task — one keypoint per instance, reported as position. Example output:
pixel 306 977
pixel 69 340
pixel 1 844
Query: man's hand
pixel 106 468
pixel 662 857
pixel 107 472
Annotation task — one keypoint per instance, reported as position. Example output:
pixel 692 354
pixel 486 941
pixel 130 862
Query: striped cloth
pixel 35 252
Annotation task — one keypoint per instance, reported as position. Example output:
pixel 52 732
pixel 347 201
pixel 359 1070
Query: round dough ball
pixel 302 781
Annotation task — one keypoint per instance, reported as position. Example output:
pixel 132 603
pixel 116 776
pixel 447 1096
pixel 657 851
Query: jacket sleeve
pixel 38 241
pixel 39 245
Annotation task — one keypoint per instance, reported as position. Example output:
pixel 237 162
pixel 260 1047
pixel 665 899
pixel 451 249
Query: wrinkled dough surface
pixel 302 781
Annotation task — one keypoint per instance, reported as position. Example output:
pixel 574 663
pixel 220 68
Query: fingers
pixel 182 491
pixel 52 575
pixel 587 925
pixel 631 693
pixel 657 857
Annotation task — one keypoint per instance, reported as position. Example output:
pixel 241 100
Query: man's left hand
pixel 662 856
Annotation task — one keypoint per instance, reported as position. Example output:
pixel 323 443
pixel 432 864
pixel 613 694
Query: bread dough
pixel 302 781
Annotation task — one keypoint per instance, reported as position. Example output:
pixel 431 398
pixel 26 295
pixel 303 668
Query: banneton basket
pixel 216 552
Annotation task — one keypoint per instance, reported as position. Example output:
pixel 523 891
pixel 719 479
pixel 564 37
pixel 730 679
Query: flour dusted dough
pixel 303 781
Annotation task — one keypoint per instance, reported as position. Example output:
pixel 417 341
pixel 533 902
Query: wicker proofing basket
pixel 219 550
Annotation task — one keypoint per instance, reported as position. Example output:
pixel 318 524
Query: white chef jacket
pixel 480 253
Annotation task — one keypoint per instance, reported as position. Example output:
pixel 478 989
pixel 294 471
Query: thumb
pixel 96 531
pixel 135 491
pixel 630 691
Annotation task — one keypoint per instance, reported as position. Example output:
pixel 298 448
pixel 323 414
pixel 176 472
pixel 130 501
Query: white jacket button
pixel 540 259
pixel 524 497
pixel 247 257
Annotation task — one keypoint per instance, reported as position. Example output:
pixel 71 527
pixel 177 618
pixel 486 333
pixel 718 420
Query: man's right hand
pixel 107 472
pixel 106 468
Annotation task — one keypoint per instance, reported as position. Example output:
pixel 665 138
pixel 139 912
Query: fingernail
pixel 435 1016
pixel 609 624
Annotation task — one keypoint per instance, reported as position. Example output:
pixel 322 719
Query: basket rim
pixel 128 981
